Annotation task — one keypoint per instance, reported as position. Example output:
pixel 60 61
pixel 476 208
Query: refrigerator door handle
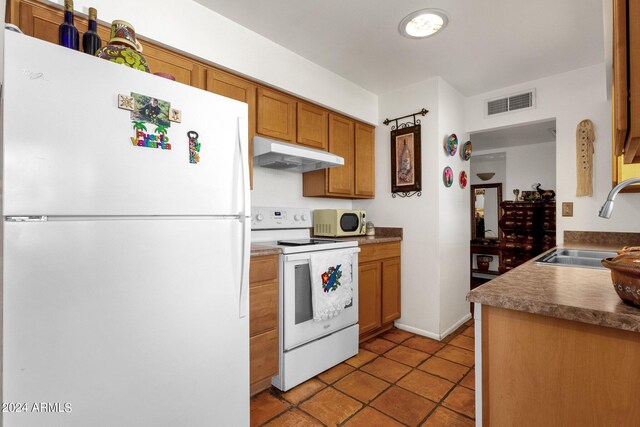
pixel 244 217
pixel 246 253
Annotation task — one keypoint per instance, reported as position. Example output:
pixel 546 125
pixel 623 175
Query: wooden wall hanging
pixel 585 137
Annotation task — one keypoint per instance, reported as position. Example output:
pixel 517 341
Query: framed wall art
pixel 406 168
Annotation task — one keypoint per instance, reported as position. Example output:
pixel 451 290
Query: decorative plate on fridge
pixel 447 177
pixel 462 179
pixel 465 151
pixel 452 144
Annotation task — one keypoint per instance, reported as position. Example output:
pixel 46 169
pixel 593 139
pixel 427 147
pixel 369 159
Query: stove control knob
pixel 304 217
pixel 259 217
pixel 296 217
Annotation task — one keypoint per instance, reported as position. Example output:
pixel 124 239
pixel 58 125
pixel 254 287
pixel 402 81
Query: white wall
pixel 195 29
pixel 435 247
pixel 417 215
pixel 569 98
pixel 454 211
pixel 481 163
pixel 281 188
pixel 524 166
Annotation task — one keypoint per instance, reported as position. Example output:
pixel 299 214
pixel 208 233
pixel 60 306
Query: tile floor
pixel 397 379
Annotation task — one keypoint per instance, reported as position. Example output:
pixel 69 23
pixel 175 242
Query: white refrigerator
pixel 125 266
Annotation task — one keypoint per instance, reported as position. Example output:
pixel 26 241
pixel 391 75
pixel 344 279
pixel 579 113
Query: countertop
pixel 572 293
pixel 263 250
pixel 383 235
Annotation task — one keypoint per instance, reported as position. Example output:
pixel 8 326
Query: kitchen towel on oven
pixel 331 285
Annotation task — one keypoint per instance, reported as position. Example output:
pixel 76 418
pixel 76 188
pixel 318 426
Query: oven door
pixel 298 326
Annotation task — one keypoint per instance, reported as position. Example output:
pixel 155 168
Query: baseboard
pixel 417 331
pixel 455 326
pixel 432 335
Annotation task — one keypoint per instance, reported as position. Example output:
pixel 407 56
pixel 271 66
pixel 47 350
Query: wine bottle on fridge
pixel 91 40
pixel 67 32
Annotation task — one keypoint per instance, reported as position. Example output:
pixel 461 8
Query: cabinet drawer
pixel 263 269
pixel 378 251
pixel 263 351
pixel 263 308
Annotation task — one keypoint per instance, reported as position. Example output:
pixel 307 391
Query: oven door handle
pixel 307 255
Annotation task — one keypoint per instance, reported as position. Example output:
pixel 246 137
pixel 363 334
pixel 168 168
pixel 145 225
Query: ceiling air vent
pixel 520 101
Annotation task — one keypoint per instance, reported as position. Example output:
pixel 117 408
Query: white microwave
pixel 339 222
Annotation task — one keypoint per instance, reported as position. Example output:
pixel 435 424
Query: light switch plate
pixel 567 208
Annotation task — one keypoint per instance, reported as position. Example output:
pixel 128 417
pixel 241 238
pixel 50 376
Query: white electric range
pixel 306 347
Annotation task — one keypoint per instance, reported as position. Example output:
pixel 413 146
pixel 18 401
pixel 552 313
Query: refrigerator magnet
pixel 156 139
pixel 175 115
pixel 194 147
pixel 125 102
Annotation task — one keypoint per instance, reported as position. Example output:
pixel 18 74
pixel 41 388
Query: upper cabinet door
pixel 242 90
pixel 313 126
pixel 182 68
pixel 365 161
pixel 341 134
pixel 276 115
pixel 632 146
pixel 620 81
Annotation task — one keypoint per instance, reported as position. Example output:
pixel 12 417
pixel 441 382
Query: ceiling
pixel 487 45
pixel 531 133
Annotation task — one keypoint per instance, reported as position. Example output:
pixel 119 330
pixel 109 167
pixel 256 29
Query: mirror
pixel 485 211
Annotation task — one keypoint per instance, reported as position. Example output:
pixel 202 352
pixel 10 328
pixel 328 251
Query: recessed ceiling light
pixel 423 23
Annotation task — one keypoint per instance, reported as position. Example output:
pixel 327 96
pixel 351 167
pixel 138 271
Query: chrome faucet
pixel 607 208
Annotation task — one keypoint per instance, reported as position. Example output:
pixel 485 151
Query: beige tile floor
pixel 397 379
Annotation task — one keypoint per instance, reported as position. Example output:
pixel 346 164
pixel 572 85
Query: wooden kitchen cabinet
pixel 626 80
pixel 390 290
pixel 369 296
pixel 539 370
pixel 242 90
pixel 379 288
pixel 313 126
pixel 263 321
pixel 41 21
pixel 341 143
pixel 365 164
pixel 354 142
pixel 276 115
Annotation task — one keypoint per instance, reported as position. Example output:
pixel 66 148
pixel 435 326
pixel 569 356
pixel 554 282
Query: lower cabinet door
pixel 369 297
pixel 390 290
pixel 264 356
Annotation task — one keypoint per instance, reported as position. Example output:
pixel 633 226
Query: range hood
pixel 272 154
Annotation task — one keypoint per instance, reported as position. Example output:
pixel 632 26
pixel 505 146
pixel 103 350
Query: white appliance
pixel 125 268
pixel 306 347
pixel 273 154
pixel 339 222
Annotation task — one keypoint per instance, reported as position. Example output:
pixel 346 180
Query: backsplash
pixel 602 237
pixel 284 189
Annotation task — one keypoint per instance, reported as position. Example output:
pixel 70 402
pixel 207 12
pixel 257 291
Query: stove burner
pixel 304 242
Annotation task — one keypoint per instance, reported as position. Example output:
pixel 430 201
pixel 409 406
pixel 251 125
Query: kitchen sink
pixel 575 258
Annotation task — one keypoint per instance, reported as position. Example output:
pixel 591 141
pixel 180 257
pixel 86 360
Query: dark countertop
pixel 383 235
pixel 572 293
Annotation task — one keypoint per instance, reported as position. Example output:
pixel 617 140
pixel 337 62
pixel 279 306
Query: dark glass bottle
pixel 67 32
pixel 91 40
